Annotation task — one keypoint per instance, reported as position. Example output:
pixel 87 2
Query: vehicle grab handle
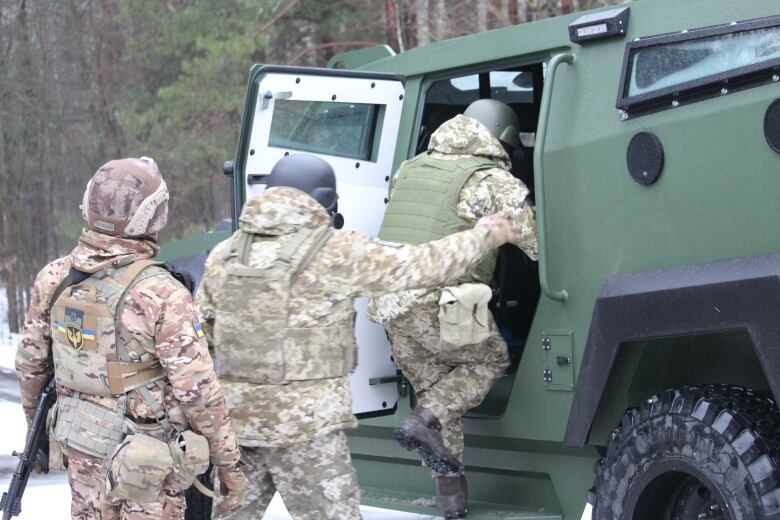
pixel 541 138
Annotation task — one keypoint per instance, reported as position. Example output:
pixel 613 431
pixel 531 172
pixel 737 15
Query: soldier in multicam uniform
pixel 276 302
pixel 149 366
pixel 464 176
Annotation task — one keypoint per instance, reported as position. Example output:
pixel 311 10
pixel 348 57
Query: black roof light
pixel 600 25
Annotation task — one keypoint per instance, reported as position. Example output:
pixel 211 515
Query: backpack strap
pixel 286 253
pixel 74 277
pixel 130 277
pixel 320 239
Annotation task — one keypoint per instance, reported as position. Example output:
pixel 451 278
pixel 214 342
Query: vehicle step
pixel 425 505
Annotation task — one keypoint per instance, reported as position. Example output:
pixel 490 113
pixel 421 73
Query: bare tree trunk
pixel 422 8
pixel 482 15
pixel 441 23
pixel 393 38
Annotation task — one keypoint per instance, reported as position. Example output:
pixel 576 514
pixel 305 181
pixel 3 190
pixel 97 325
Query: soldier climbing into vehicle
pixel 445 339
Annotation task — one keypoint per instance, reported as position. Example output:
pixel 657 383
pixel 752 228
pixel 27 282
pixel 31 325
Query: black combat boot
pixel 451 495
pixel 421 431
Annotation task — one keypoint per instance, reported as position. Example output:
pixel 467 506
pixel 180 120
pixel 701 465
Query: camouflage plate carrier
pixel 253 340
pixel 423 206
pixel 95 355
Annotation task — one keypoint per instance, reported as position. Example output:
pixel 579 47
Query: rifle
pixel 36 449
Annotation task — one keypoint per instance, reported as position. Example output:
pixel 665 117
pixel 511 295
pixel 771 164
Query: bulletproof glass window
pixel 330 128
pixel 699 64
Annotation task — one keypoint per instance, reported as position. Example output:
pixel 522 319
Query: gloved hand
pixel 500 226
pixel 232 486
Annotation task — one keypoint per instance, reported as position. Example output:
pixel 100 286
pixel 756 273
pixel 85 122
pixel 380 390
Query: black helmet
pixel 309 174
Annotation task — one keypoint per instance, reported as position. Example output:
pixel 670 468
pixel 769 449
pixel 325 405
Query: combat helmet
pixel 309 174
pixel 498 118
pixel 126 197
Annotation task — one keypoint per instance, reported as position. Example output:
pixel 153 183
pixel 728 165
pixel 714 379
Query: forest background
pixel 85 81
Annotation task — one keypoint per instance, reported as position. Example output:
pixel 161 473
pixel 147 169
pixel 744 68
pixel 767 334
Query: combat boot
pixel 421 431
pixel 451 495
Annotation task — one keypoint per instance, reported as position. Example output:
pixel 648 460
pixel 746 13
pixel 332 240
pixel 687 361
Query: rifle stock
pixel 11 503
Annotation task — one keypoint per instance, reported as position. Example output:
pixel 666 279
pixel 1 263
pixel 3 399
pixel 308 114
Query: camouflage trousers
pixel 315 479
pixel 447 380
pixel 87 478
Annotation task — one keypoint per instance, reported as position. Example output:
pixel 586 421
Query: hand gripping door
pixel 350 119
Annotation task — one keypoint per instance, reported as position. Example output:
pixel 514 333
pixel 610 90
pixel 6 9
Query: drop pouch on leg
pixel 138 468
pixel 463 314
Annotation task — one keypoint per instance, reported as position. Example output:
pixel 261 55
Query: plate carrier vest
pixel 94 354
pixel 423 206
pixel 253 340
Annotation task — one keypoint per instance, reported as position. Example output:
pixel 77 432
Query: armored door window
pixel 327 127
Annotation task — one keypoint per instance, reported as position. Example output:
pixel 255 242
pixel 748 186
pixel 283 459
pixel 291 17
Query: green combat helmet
pixel 501 120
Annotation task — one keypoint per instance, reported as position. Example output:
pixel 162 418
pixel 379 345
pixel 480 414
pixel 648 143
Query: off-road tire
pixel 727 437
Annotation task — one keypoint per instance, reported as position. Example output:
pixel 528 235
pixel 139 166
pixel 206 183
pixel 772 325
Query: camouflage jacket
pixel 158 307
pixel 486 192
pixel 350 265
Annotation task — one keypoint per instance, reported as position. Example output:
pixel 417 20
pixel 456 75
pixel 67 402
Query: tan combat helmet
pixel 498 118
pixel 126 197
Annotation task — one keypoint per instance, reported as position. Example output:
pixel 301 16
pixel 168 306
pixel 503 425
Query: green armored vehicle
pixel 646 341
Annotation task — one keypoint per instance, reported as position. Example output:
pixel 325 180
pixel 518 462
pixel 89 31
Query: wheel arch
pixel 714 322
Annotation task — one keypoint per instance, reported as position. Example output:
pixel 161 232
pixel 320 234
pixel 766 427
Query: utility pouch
pixel 463 314
pixel 138 467
pixel 87 427
pixel 190 455
pixel 56 456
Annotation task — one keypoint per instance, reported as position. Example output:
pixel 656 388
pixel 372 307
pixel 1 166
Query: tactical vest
pixel 253 339
pixel 94 354
pixel 424 205
pixel 86 331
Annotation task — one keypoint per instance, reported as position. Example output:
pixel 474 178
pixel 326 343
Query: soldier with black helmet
pixel 277 305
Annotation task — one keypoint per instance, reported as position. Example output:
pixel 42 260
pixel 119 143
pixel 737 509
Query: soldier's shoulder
pixel 162 285
pixel 53 272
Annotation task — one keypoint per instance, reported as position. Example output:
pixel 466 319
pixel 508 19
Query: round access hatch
pixel 772 125
pixel 645 158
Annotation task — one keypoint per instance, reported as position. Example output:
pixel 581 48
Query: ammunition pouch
pixel 463 314
pixel 89 428
pixel 190 454
pixel 143 464
pixel 138 468
pixel 56 456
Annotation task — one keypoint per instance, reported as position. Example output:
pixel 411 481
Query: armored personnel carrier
pixel 645 342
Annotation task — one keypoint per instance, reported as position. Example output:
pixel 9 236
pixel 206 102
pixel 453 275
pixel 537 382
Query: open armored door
pixel 350 119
